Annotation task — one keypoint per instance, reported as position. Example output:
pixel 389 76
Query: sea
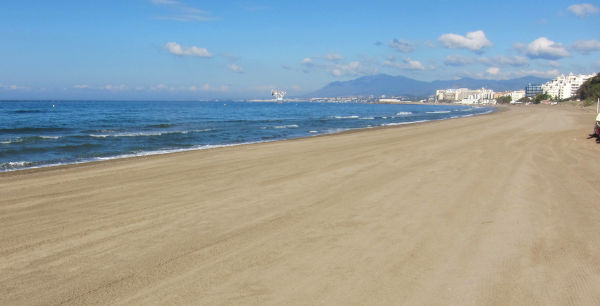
pixel 36 134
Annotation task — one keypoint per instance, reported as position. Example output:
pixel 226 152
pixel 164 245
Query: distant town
pixel 561 88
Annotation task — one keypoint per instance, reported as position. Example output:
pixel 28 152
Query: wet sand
pixel 498 209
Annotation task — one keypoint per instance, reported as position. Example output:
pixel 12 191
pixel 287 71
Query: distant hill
pixel 383 84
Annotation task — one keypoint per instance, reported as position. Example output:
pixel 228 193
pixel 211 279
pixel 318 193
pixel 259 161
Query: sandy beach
pixel 500 209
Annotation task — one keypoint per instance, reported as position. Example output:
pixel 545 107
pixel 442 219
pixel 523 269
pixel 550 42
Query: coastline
pixel 212 147
pixel 500 208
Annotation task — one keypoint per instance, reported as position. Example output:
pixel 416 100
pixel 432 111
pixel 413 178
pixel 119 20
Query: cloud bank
pixel 474 41
pixel 586 46
pixel 177 49
pixel 584 9
pixel 544 48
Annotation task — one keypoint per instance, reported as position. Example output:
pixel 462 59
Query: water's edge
pixel 206 147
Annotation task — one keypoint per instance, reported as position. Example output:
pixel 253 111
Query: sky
pixel 186 49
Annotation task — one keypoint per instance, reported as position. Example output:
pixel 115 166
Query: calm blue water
pixel 35 134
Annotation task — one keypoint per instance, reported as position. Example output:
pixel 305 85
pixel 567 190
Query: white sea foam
pixel 15 164
pixel 438 112
pixel 138 134
pixel 338 130
pixel 286 126
pixel 21 139
pixel 21 165
pixel 403 113
pixel 403 123
pixel 346 117
pixel 367 118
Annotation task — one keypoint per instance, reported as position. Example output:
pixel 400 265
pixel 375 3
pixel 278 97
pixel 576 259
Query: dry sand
pixel 498 209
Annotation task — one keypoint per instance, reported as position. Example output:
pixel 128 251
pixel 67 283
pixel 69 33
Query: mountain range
pixel 384 84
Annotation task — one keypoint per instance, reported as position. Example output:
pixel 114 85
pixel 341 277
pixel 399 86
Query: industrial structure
pixel 278 94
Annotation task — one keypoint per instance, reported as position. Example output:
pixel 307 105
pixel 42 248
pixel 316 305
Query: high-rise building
pixel 564 87
pixel 533 90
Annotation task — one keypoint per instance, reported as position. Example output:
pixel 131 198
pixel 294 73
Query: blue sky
pixel 185 49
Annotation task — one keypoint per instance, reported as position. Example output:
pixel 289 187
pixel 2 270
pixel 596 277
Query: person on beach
pixel 597 127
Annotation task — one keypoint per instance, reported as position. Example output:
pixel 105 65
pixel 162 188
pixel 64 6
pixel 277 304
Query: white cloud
pixel 110 87
pixel 333 64
pixel 457 60
pixel 405 64
pixel 401 45
pixel 493 70
pixel 177 49
pixel 474 41
pixel 308 64
pixel 545 48
pixel 583 9
pixel 236 68
pixel 352 68
pixel 586 46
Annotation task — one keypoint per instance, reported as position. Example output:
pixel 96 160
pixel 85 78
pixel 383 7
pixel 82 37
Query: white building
pixel 516 95
pixel 564 87
pixel 466 96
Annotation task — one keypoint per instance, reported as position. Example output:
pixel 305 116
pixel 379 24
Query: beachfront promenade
pixel 496 209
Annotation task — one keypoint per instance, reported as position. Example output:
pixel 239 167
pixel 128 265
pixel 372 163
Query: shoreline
pixel 213 147
pixel 497 209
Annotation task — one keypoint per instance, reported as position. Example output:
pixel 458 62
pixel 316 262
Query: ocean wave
pixel 403 113
pixel 367 118
pixel 439 112
pixel 336 130
pixel 28 139
pixel 148 134
pixel 285 126
pixel 15 165
pixel 345 117
pixel 313 131
pixel 11 141
pixel 38 130
pixel 403 123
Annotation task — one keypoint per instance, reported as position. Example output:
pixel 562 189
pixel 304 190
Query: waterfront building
pixel 564 87
pixel 517 95
pixel 501 94
pixel 533 90
pixel 465 96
